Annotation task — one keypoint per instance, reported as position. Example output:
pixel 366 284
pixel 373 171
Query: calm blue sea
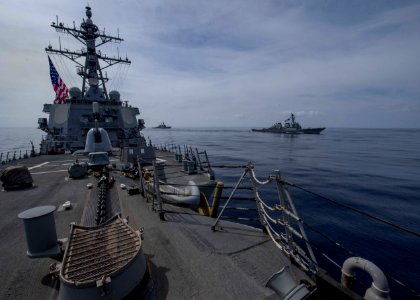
pixel 374 170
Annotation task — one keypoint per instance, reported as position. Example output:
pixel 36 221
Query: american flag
pixel 60 88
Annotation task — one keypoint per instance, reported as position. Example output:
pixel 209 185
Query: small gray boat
pixel 290 126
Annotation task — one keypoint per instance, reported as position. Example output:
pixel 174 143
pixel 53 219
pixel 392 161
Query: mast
pixel 90 71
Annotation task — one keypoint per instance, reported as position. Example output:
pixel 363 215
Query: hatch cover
pixel 94 253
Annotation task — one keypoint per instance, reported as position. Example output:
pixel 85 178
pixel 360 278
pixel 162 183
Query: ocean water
pixel 17 140
pixel 373 170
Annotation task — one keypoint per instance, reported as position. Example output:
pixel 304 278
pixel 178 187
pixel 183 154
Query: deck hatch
pixel 97 252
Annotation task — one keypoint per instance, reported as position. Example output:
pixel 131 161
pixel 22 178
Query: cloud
pixel 230 63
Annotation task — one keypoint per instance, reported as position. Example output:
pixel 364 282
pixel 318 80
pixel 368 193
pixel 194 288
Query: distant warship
pixel 290 126
pixel 70 118
pixel 162 126
pixel 146 225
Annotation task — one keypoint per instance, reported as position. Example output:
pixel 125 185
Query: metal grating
pixel 98 252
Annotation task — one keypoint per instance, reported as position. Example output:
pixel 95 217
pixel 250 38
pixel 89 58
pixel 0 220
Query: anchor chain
pixel 105 182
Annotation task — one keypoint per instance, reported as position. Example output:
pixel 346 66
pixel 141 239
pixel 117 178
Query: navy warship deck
pixel 185 258
pixel 116 242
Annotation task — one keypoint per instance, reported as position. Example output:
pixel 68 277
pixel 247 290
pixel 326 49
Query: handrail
pixel 308 264
pixel 9 156
pixel 288 214
pixel 366 214
pixel 188 153
pixel 285 241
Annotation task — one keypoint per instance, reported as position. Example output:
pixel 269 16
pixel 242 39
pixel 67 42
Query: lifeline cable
pixel 408 288
pixel 351 253
pixel 366 214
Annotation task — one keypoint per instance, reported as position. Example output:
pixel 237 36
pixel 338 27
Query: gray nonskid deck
pixel 21 277
pixel 186 258
pixel 233 263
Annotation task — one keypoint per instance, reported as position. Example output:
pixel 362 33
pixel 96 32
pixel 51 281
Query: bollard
pixel 41 237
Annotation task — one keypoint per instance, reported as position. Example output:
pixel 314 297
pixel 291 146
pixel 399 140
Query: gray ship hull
pixel 291 130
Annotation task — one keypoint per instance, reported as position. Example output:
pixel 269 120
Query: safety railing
pixel 199 158
pixel 247 203
pixel 273 217
pixel 11 156
pixel 282 223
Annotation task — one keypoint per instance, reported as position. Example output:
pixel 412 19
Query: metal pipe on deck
pixel 199 160
pixel 204 207
pixel 216 199
pixel 208 162
pixel 379 289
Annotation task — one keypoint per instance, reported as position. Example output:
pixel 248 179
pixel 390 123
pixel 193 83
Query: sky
pixel 228 63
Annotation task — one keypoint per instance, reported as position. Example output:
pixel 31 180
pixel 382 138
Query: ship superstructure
pixel 290 126
pixel 70 121
pixel 183 248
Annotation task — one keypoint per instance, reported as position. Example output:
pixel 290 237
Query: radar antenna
pixel 91 71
